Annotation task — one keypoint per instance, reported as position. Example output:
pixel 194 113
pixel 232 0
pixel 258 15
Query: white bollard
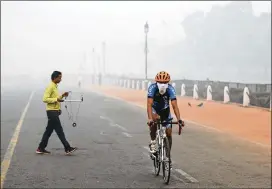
pixel 125 83
pixel 120 82
pixel 138 85
pixel 149 83
pixel 183 93
pixel 195 93
pixel 133 84
pixel 226 94
pixel 246 100
pixel 128 83
pixel 209 93
pixel 143 85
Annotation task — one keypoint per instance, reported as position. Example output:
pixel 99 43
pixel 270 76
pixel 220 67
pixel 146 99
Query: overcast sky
pixel 38 37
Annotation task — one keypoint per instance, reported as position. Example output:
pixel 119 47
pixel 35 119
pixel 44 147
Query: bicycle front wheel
pixel 157 162
pixel 166 161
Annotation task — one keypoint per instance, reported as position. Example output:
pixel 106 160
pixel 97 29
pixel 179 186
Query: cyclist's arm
pixel 149 107
pixel 173 98
pixel 175 108
pixel 150 96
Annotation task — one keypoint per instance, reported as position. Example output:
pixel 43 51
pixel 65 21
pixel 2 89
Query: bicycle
pixel 162 155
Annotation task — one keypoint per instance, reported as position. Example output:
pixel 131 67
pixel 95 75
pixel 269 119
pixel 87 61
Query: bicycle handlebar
pixel 169 121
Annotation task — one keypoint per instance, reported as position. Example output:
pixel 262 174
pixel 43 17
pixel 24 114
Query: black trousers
pixel 53 124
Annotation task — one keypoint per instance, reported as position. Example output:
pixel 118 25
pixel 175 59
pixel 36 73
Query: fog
pixel 40 37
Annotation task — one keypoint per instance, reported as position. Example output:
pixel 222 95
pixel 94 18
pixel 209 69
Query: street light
pixel 146 29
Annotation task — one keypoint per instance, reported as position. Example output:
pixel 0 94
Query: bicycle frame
pixel 161 134
pixel 159 157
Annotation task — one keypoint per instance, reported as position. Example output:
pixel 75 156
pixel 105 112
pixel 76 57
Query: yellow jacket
pixel 50 97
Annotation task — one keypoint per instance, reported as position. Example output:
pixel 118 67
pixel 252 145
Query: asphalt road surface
pixel 112 138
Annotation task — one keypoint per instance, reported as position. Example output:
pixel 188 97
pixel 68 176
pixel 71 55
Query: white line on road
pixel 9 153
pixel 174 176
pixel 179 179
pixel 111 122
pixel 126 134
pixel 205 126
pixel 105 118
pixel 189 177
pixel 145 147
pixel 146 154
pixel 183 173
pixel 123 128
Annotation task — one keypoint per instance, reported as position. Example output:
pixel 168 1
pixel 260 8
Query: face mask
pixel 162 88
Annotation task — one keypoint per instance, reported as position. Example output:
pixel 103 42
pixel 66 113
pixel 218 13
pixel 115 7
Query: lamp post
pixel 94 66
pixel 146 29
pixel 104 57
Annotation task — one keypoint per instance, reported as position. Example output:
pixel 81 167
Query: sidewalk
pixel 252 124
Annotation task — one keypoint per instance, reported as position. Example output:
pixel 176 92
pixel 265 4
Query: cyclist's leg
pixel 153 130
pixel 165 115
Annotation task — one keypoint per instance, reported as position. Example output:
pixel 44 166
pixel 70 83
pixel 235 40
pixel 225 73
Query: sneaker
pixel 39 151
pixel 71 150
pixel 152 146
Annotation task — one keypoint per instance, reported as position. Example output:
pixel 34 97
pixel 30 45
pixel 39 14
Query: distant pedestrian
pixel 53 109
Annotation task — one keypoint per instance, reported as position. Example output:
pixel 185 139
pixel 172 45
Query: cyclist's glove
pixel 181 123
pixel 150 123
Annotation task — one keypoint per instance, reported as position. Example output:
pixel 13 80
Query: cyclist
pixel 159 95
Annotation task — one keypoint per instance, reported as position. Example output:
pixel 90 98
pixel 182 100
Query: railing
pixel 227 92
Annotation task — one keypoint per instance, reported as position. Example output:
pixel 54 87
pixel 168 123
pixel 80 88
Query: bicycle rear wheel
pixel 166 161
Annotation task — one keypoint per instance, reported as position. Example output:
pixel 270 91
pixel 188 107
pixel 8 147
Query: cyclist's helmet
pixel 162 77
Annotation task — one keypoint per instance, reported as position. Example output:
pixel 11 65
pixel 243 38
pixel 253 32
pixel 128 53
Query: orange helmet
pixel 162 77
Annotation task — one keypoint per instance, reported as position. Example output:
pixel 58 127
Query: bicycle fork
pixel 163 135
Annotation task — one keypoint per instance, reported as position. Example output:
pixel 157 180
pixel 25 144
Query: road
pixel 112 138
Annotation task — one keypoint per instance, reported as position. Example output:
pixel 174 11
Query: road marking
pixel 205 126
pixel 123 128
pixel 179 179
pixel 12 144
pixel 145 147
pixel 146 154
pixel 186 120
pixel 105 118
pixel 183 173
pixel 111 122
pixel 126 134
pixel 187 176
